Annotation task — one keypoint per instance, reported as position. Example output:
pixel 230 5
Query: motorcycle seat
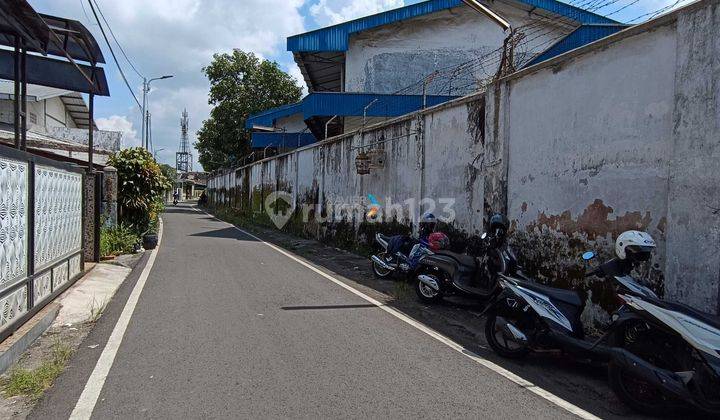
pixel 463 259
pixel 563 295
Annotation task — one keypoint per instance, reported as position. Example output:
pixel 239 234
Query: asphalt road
pixel 227 327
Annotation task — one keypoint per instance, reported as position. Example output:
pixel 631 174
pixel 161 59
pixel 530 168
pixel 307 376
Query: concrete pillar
pixel 109 196
pixel 90 217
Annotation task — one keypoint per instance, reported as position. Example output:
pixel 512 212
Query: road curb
pixel 14 346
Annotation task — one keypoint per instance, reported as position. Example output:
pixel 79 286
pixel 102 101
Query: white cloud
pixel 295 72
pixel 179 37
pixel 330 12
pixel 123 124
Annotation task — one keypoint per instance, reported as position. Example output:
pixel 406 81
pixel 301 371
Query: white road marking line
pixel 86 403
pixel 542 393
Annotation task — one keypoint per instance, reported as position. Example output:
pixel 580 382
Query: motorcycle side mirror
pixel 589 255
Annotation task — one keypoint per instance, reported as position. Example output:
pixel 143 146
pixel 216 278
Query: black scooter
pixel 530 316
pixel 447 273
pixel 661 354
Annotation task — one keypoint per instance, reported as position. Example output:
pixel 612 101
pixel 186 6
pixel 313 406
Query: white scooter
pixel 661 354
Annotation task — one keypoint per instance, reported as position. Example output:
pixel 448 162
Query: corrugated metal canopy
pixel 335 38
pixel 38 31
pixel 347 104
pixel 54 73
pixel 576 39
pixel 78 110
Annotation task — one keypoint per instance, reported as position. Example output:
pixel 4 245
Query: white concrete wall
pixel 391 57
pixel 48 113
pixel 623 137
pixel 292 124
pixel 622 134
pixel 589 141
pixel 56 115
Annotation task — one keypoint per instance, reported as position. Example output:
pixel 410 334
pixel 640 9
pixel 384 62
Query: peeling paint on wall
pixel 573 154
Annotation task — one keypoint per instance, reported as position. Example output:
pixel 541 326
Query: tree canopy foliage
pixel 241 85
pixel 169 172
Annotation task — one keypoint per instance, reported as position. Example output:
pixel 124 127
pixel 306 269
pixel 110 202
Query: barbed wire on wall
pixel 527 42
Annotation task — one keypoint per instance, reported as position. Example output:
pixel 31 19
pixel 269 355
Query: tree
pixel 240 85
pixel 169 172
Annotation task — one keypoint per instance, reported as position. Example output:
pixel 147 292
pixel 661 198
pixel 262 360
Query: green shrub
pixel 117 240
pixel 141 185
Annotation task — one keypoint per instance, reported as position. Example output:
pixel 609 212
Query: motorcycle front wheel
pixel 499 343
pixel 379 271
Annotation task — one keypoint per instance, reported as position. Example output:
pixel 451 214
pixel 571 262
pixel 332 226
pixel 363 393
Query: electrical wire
pixel 117 63
pixel 122 50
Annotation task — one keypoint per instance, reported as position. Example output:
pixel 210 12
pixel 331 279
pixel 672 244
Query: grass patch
pixel 117 240
pixel 33 382
pixel 402 289
pixel 97 309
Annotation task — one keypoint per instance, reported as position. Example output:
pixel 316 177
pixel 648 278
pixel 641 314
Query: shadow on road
pixel 305 308
pixel 178 209
pixel 229 233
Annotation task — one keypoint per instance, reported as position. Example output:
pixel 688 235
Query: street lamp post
pixel 144 130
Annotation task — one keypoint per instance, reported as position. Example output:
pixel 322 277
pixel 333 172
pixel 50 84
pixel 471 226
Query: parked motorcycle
pixel 449 273
pixel 401 254
pixel 660 354
pixel 387 263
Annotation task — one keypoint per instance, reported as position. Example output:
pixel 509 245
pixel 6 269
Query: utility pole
pixel 145 129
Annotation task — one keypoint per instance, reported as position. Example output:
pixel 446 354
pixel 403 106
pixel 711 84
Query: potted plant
pixel 150 237
pixel 149 240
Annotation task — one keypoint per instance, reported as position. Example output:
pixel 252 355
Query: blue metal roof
pixel 576 39
pixel 267 118
pixel 348 104
pixel 282 139
pixel 335 38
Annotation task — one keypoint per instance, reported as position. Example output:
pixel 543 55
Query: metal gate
pixel 41 233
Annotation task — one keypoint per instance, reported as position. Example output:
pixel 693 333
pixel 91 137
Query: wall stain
pixel 476 120
pixel 550 250
pixel 594 221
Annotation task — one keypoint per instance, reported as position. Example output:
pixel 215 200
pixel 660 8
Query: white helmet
pixel 634 245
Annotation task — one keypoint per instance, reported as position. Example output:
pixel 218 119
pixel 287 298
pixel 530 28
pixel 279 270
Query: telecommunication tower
pixel 183 158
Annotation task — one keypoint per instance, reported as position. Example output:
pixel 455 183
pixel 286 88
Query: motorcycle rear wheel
pixel 378 271
pixel 498 343
pixel 635 392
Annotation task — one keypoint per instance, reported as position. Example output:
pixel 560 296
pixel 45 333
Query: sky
pixel 179 37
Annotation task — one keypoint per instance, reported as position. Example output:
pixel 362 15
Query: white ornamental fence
pixel 41 233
